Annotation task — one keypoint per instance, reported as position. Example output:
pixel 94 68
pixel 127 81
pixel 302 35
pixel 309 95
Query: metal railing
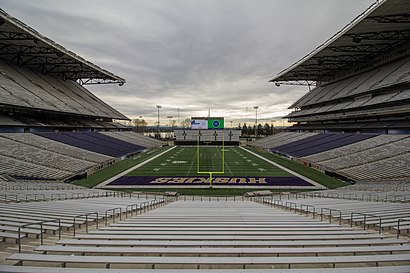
pixel 407 220
pixel 41 230
pixel 86 220
pixel 330 214
pixel 113 214
pixel 365 218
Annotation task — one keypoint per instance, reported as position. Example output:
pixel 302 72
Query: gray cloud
pixel 190 54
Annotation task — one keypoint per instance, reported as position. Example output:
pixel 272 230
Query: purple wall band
pixel 204 180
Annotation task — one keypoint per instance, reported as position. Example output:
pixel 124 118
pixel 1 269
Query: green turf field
pixel 191 161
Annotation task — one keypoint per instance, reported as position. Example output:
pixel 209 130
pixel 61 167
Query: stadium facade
pixel 354 123
pixel 360 76
pixel 51 126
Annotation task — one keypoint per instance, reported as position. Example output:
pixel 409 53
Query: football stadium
pixel 82 190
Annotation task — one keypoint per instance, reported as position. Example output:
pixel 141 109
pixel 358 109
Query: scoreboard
pixel 200 123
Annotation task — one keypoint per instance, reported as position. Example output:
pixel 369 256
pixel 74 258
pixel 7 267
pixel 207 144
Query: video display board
pixel 207 123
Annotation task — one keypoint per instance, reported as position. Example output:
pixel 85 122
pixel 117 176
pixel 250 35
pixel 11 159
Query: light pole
pixel 273 126
pixel 169 124
pixel 158 107
pixel 256 120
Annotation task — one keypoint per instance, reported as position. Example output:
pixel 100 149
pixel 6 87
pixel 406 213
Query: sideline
pixel 102 184
pixel 320 186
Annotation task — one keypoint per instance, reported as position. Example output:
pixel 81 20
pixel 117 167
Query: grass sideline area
pixel 325 180
pixel 117 168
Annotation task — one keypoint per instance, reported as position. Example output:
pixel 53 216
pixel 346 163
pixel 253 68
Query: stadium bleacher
pixel 135 138
pixel 204 236
pixel 94 142
pixel 318 143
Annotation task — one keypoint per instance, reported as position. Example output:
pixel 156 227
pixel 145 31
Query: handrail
pixel 290 205
pixel 86 220
pixel 10 194
pixel 144 206
pixel 330 215
pixel 365 219
pixel 78 195
pixel 398 225
pixel 276 202
pixel 35 196
pixel 41 230
pixel 59 195
pixel 131 206
pixel 113 214
pixel 307 209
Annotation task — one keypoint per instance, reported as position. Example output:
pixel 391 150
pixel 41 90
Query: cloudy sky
pixel 191 54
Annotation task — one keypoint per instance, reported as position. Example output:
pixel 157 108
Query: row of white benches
pixel 239 236
pixel 376 214
pixel 20 220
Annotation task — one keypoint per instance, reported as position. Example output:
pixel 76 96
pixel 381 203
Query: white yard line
pixel 286 169
pixel 101 185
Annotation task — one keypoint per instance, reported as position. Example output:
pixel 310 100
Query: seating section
pixel 233 236
pixel 30 156
pixel 26 170
pixel 354 148
pixel 99 205
pixel 358 157
pixel 391 74
pixel 381 215
pixel 384 157
pixel 25 88
pixel 319 143
pixel 279 139
pixel 95 142
pixel 136 139
pixel 393 168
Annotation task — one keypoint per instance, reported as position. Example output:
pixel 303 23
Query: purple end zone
pixel 204 180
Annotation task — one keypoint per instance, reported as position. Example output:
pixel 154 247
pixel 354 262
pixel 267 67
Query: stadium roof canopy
pixel 383 26
pixel 24 46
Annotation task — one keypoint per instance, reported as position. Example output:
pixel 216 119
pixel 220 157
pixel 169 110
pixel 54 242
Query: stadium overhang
pixel 380 28
pixel 24 46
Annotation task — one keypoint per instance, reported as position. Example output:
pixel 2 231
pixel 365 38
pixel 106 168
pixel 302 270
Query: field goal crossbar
pixel 210 173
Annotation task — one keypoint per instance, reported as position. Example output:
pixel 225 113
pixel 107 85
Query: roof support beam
pixel 391 18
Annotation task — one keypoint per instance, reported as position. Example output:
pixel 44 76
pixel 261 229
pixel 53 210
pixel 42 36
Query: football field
pixel 192 166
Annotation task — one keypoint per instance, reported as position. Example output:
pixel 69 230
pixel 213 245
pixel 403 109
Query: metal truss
pixel 392 18
pixel 294 82
pixel 26 50
pixel 360 48
pixel 397 35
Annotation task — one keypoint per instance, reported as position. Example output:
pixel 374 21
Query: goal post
pixel 209 158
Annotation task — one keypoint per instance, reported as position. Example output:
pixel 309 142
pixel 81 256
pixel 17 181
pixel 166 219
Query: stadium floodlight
pixel 256 120
pixel 158 107
pixel 169 125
